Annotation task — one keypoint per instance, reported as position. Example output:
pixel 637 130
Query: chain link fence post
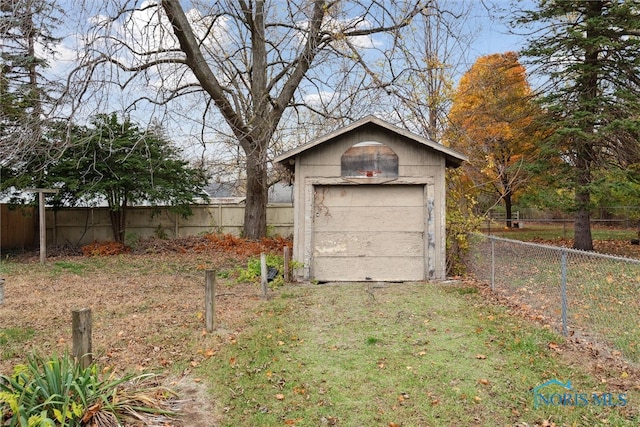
pixel 493 265
pixel 563 287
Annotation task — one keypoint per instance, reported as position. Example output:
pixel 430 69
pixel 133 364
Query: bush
pixel 59 392
pixel 461 220
pixel 253 272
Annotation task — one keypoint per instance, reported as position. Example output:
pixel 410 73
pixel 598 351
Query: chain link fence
pixel 594 295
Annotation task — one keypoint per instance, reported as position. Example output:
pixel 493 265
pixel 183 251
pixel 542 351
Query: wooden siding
pixel 416 165
pixel 369 232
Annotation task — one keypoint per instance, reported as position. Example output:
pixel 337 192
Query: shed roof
pixel 453 157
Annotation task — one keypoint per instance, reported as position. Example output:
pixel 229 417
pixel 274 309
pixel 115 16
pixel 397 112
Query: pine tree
pixel 25 39
pixel 590 53
pixel 116 162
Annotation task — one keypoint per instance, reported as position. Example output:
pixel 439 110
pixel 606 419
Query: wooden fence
pixel 81 226
pixel 18 227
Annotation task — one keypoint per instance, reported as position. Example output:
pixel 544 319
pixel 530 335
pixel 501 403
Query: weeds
pixel 253 271
pixel 68 266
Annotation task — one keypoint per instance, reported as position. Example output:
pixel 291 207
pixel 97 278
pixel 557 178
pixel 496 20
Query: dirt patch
pixel 194 404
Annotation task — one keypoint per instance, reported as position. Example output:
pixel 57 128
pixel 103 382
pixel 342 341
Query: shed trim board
pixel 405 236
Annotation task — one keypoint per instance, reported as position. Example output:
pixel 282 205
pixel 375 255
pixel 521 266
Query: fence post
pixel 210 300
pixel 287 271
pixel 1 291
pixel 493 265
pixel 81 327
pixel 263 274
pixel 563 287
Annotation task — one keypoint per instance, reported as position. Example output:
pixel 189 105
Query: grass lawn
pixel 415 354
pixel 554 231
pixel 401 354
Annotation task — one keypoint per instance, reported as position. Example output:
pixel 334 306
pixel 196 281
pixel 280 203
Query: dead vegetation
pixel 147 307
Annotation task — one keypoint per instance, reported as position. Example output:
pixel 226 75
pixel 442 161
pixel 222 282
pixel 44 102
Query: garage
pixel 367 232
pixel 369 204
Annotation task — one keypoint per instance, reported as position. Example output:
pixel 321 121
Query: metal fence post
pixel 563 287
pixel 493 265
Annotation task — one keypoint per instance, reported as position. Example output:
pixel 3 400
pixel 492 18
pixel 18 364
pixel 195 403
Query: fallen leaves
pixel 104 249
pixel 554 346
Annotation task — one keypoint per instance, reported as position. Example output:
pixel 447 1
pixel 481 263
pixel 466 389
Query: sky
pixel 495 38
pixel 490 35
pixel 494 33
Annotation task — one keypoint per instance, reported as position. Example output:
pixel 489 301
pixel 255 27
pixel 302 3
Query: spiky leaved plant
pixel 60 392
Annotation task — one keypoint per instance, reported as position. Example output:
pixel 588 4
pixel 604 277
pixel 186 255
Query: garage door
pixel 369 232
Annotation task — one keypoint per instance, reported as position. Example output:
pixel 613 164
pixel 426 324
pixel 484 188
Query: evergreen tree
pixel 25 40
pixel 117 163
pixel 590 54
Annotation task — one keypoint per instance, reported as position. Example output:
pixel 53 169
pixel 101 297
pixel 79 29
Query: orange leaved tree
pixel 493 121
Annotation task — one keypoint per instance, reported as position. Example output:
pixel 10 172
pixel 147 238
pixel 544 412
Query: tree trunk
pixel 508 205
pixel 582 226
pixel 118 216
pixel 115 225
pixel 255 213
pixel 585 152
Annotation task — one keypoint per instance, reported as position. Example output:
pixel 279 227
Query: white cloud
pixel 319 98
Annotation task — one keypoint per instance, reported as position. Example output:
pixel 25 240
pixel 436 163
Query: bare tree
pixel 425 64
pixel 247 62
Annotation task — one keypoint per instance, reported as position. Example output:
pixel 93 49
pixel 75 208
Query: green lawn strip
pixel 409 354
pixel 12 341
pixel 532 232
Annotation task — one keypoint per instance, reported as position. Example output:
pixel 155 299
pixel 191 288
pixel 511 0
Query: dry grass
pixel 147 311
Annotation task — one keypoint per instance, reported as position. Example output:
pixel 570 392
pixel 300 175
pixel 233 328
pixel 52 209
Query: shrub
pixel 461 220
pixel 59 392
pixel 253 272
